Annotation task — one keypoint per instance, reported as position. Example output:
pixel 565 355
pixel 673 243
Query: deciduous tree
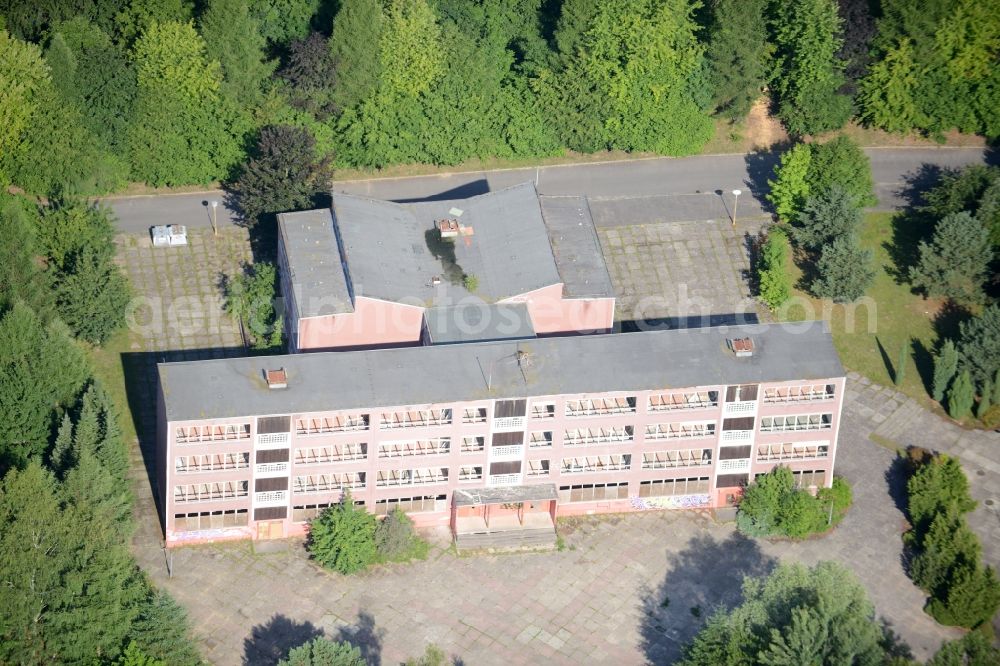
pixel 183 131
pixel 821 613
pixel 284 174
pixel 357 34
pixel 808 77
pixel 23 77
pixel 233 38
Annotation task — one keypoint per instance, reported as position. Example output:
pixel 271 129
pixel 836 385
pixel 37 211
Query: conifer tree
pixel 961 396
pixel 945 367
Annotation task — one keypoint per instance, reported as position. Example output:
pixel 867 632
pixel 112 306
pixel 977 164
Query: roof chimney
pixel 276 379
pixel 451 228
pixel 742 347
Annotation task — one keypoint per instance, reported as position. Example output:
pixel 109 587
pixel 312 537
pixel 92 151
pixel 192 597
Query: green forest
pixel 96 94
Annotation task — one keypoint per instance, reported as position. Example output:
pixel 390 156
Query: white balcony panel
pixel 271 498
pixel 735 466
pixel 271 469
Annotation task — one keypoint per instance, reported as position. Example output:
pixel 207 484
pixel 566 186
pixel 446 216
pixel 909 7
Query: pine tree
pixel 324 652
pixel 41 368
pixel 961 396
pixel 61 456
pixel 160 629
pixel 972 597
pixel 948 542
pixel 956 261
pixel 985 399
pixel 845 271
pixel 92 296
pixel 979 344
pixel 342 537
pixel 937 487
pixel 36 552
pixel 830 214
pixel 945 367
pixel 738 54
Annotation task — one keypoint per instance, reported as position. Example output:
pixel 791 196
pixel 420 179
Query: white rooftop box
pixel 165 235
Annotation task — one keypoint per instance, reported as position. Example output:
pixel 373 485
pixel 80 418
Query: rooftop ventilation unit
pixel 276 379
pixel 742 347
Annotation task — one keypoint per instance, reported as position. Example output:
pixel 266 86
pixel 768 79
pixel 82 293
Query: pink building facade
pixel 645 443
pixel 368 274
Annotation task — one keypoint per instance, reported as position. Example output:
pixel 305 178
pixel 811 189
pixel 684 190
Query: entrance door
pixel 270 529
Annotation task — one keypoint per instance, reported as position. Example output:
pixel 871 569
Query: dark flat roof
pixel 505 494
pixel 315 271
pixel 475 322
pixel 362 380
pixel 393 251
pixel 576 247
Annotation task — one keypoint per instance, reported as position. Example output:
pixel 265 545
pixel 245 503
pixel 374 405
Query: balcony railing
pixel 678 406
pixel 654 433
pixel 795 423
pixel 733 466
pixel 505 479
pixel 265 469
pixel 729 436
pixel 512 451
pixel 276 440
pixel 415 419
pixel 742 407
pixel 271 498
pixel 473 445
pixel 509 423
pixel 410 479
pixel 473 474
pixel 571 438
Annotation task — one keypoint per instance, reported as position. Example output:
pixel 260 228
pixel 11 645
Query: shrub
pixel 342 537
pixel 324 652
pixel 395 538
pixel 961 396
pixel 773 282
pixel 971 598
pixel 937 487
pixel 991 419
pixel 773 506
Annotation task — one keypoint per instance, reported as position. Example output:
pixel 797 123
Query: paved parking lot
pixel 600 600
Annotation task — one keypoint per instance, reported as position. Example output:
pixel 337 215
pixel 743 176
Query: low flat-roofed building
pixel 255 447
pixel 365 273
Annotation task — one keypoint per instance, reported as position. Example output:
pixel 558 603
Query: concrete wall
pixel 373 323
pixel 551 313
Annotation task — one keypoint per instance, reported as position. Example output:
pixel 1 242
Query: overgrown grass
pixel 110 371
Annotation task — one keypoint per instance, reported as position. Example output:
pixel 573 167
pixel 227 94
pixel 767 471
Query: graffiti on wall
pixel 221 533
pixel 672 502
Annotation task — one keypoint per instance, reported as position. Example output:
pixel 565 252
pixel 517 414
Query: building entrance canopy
pixel 505 495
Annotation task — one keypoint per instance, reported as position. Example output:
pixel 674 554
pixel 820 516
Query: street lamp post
pixel 736 201
pixel 215 218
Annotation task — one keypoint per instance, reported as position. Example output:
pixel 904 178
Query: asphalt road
pixel 680 188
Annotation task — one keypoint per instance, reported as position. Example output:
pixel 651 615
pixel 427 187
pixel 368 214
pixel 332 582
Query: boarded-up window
pixel 508 408
pixel 508 438
pixel 513 467
pixel 272 456
pixel 731 480
pixel 267 425
pixel 734 452
pixel 269 485
pixel 738 423
pixel 270 513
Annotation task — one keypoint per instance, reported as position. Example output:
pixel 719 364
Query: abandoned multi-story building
pixel 475 383
pixel 495 438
